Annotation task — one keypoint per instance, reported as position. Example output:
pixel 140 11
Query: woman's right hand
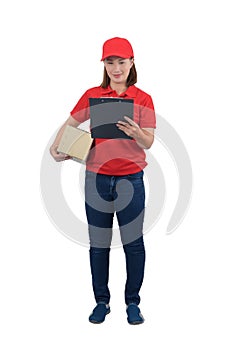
pixel 58 157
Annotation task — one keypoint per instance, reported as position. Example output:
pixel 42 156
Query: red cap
pixel 117 47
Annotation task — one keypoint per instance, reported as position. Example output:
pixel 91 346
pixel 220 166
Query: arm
pixel 53 148
pixel 144 137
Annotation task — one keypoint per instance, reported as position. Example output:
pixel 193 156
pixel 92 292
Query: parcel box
pixel 76 143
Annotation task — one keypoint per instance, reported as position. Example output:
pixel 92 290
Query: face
pixel 118 69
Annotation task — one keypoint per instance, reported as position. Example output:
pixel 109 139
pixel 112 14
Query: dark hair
pixel 131 80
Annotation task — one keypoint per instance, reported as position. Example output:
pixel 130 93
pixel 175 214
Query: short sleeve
pixel 81 110
pixel 147 113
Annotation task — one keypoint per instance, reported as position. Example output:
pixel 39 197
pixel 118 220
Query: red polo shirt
pixel 117 156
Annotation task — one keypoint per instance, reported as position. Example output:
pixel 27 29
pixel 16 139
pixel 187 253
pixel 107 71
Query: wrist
pixel 140 135
pixel 144 140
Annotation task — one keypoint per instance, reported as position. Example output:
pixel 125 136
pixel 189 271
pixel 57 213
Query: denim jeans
pixel 106 195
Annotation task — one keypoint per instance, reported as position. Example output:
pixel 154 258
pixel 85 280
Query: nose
pixel 116 67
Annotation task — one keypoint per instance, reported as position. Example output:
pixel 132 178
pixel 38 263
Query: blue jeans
pixel 106 195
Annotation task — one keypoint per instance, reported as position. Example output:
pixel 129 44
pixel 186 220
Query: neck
pixel 119 88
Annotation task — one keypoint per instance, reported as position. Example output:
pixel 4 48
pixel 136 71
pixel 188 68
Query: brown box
pixel 76 143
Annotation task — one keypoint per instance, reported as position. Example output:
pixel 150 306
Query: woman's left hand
pixel 143 137
pixel 129 127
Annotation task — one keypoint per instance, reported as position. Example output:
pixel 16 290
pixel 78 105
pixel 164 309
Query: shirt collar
pixel 130 92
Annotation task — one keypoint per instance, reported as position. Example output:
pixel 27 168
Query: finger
pixel 124 129
pixel 131 122
pixel 61 156
pixel 125 125
pixel 121 123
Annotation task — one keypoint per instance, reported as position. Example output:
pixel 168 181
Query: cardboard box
pixel 76 143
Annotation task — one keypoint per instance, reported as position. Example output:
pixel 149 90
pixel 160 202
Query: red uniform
pixel 117 156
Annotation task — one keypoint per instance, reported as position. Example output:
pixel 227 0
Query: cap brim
pixel 115 55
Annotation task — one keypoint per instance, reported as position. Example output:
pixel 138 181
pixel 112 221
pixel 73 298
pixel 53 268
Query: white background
pixel 50 54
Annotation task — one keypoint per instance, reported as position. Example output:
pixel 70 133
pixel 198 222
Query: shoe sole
pixel 135 323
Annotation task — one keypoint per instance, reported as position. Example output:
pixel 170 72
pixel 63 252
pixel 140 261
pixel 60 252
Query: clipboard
pixel 105 112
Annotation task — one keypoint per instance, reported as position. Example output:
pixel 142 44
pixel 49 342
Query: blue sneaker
pixel 99 313
pixel 134 314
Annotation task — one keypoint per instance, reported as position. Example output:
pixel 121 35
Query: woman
pixel 114 179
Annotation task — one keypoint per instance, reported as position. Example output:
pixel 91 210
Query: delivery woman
pixel 114 179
